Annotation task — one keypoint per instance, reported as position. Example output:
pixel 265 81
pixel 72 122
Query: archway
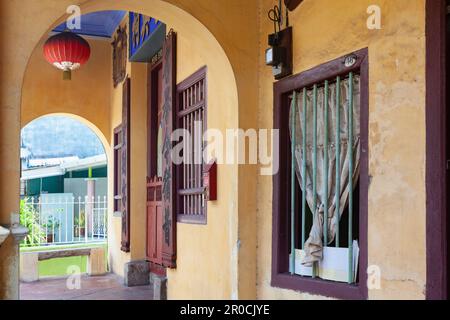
pixel 225 98
pixel 64 192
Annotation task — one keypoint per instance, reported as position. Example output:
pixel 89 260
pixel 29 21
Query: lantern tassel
pixel 67 75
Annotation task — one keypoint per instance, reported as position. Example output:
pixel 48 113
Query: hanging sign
pixel 146 37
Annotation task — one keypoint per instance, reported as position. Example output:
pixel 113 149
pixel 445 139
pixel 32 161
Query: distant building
pixel 55 149
pixel 64 175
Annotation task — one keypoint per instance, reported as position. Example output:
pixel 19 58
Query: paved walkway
pixel 107 287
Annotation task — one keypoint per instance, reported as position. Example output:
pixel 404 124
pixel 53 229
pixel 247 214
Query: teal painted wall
pixel 96 173
pixel 56 184
pixel 49 185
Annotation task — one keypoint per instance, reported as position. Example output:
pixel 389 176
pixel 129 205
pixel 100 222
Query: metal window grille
pixel 192 118
pixel 299 225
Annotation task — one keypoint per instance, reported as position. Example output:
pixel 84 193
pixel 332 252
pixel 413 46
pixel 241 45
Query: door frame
pixel 152 133
pixel 152 110
pixel 436 148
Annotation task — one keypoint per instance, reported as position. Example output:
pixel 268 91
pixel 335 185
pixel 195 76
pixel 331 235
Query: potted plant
pixel 80 224
pixel 51 227
pixel 29 218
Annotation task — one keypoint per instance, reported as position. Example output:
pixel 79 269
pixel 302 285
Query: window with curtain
pixel 322 116
pixel 325 150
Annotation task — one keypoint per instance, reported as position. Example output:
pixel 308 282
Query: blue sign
pixel 142 30
pixel 97 24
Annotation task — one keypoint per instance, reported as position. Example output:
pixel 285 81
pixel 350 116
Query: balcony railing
pixel 63 219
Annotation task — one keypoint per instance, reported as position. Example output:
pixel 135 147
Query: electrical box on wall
pixel 279 55
pixel 210 181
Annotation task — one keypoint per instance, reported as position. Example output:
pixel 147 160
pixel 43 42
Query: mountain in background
pixel 59 137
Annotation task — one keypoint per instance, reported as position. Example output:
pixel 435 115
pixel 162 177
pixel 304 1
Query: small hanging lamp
pixel 67 51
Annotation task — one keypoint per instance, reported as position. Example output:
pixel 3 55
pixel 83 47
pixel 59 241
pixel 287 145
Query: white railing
pixel 56 219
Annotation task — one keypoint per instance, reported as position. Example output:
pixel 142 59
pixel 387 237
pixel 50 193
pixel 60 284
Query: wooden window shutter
pixel 191 116
pixel 125 165
pixel 168 168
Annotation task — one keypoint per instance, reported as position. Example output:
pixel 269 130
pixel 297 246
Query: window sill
pixel 320 287
pixel 192 219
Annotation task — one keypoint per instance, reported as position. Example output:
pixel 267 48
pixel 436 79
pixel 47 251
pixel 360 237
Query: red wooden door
pixel 154 179
pixel 154 221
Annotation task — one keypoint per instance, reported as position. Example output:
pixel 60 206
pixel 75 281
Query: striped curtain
pixel 314 244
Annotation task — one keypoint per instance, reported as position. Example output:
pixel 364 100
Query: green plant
pixel 80 224
pixel 80 220
pixel 29 218
pixel 52 224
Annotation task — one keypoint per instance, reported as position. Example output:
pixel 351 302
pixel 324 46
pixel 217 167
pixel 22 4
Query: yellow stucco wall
pixel 45 92
pixel 190 279
pixel 138 168
pixel 117 258
pixel 215 244
pixel 325 30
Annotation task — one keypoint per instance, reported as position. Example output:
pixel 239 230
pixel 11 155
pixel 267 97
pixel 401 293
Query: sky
pixel 60 136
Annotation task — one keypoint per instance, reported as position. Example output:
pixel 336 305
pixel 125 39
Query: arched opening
pixel 64 192
pixel 196 47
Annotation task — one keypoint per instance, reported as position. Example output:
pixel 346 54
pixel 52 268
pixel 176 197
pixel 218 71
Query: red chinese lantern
pixel 67 51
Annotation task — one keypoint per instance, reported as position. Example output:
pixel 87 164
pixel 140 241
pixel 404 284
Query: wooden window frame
pixel 125 170
pixel 437 142
pixel 152 118
pixel 280 232
pixel 117 153
pixel 169 88
pixel 200 74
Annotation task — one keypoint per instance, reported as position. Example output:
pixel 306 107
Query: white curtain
pixel 314 244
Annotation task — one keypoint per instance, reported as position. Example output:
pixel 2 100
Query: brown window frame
pixel 182 217
pixel 153 117
pixel 117 175
pixel 437 144
pixel 280 232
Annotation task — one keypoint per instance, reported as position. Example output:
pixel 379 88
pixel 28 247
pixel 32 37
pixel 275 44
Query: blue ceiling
pixel 97 24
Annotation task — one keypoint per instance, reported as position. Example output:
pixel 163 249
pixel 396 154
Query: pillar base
pixel 137 273
pixel 29 267
pixel 159 284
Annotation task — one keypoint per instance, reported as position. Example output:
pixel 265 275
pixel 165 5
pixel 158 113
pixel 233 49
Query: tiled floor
pixel 107 287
